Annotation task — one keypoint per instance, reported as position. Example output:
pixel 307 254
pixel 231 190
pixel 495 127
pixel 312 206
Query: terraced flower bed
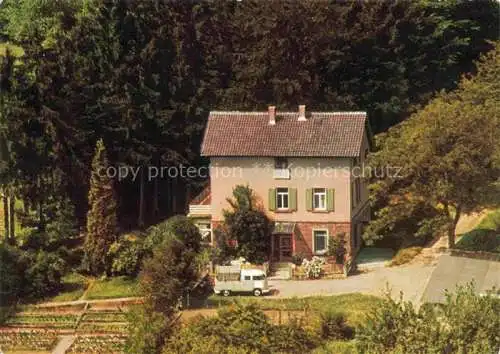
pixel 105 316
pixel 105 344
pixel 102 327
pixel 47 320
pixel 28 340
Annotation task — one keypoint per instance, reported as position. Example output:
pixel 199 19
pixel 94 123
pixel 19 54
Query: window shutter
pixel 272 199
pixel 293 198
pixel 309 199
pixel 330 199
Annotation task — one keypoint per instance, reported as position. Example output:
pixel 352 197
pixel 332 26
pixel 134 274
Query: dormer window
pixel 281 168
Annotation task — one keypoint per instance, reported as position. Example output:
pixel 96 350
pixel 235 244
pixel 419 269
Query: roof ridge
pixel 256 113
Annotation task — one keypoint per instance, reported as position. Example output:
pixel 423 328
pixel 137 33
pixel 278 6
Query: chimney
pixel 272 115
pixel 302 113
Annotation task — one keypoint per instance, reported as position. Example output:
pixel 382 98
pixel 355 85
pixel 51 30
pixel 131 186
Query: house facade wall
pixel 257 172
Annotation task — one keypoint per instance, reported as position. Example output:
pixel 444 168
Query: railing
pixel 281 173
pixel 200 209
pixel 202 196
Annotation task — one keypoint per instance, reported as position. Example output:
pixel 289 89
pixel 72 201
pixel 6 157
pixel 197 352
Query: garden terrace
pixel 28 340
pixel 106 344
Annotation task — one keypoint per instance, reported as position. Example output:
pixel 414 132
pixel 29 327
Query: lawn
pixel 485 237
pixel 355 306
pixel 374 254
pixel 113 288
pixel 74 286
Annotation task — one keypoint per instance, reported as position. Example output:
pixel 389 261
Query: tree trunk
pixel 12 217
pixel 452 228
pixel 140 220
pixel 6 215
pixel 155 199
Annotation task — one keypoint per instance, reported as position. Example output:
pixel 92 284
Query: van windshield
pixel 259 277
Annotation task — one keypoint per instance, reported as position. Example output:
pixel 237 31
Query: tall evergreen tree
pixel 101 219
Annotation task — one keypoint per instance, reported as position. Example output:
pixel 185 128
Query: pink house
pixel 304 167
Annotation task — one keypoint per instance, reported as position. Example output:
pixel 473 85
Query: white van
pixel 231 279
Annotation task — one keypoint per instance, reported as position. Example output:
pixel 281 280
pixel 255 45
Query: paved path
pixel 410 279
pixel 452 271
pixel 63 344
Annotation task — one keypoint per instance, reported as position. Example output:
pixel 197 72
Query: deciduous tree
pixel 448 153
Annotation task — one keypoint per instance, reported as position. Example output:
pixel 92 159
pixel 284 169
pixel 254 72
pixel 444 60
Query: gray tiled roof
pixel 324 134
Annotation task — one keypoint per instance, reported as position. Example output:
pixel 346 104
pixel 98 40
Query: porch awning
pixel 283 227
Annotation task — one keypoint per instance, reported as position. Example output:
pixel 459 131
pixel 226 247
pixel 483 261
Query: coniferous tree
pixel 101 217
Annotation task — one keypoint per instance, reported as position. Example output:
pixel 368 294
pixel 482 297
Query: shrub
pixel 480 240
pixel 126 255
pixel 177 226
pixel 405 255
pixel 313 268
pixel 29 274
pixel 332 325
pixel 297 259
pixel 336 248
pixel 241 329
pixel 147 332
pixel 466 323
pixel 43 274
pixel 173 268
pixel 11 271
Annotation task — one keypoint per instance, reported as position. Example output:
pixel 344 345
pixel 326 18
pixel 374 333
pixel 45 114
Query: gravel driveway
pixel 411 279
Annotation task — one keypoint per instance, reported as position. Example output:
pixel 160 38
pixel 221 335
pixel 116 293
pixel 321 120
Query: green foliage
pixel 467 322
pixel 241 329
pixel 336 248
pixel 101 218
pixel 297 259
pixel 332 325
pixel 126 254
pixel 149 72
pixel 37 20
pixel 11 273
pixel 28 274
pixel 147 332
pixel 444 168
pixel 250 227
pixel 172 270
pixel 485 237
pixel 43 274
pixel 405 255
pixel 114 287
pixel 480 240
pixel 224 252
pixel 177 227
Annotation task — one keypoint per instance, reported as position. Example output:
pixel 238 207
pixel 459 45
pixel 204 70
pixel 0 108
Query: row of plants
pixel 108 344
pixel 103 327
pixel 46 320
pixel 107 316
pixel 28 340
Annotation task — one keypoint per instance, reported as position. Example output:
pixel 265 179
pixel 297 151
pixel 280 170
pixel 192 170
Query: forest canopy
pixel 143 75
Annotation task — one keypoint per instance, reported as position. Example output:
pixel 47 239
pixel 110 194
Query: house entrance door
pixel 285 247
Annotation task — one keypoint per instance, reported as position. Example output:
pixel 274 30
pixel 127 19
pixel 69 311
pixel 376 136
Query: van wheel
pixel 226 293
pixel 257 292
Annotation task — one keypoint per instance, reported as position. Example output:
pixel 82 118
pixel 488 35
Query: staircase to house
pixel 280 271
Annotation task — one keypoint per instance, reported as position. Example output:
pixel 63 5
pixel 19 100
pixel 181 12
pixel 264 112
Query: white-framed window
pixel 320 241
pixel 282 199
pixel 281 168
pixel 205 231
pixel 319 198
